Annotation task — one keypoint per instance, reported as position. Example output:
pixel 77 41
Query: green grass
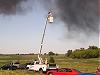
pixel 84 65
pixel 18 72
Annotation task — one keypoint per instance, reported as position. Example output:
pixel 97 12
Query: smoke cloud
pixel 80 15
pixel 8 7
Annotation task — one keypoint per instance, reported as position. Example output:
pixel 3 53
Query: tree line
pixel 90 52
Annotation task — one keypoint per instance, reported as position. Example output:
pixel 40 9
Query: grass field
pixel 84 65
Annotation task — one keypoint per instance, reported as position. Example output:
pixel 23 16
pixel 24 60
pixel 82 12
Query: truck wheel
pixel 8 69
pixel 50 73
pixel 40 70
pixel 27 68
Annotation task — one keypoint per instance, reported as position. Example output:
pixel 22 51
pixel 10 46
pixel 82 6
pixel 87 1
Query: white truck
pixel 36 66
pixel 40 66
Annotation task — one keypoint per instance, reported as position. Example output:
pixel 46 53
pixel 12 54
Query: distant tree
pixel 45 54
pixel 69 52
pixel 51 53
pixel 82 48
pixel 51 60
pixel 56 54
pixel 18 54
pixel 31 53
pixel 93 47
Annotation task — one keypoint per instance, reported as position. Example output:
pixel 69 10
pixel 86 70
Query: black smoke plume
pixel 10 6
pixel 79 15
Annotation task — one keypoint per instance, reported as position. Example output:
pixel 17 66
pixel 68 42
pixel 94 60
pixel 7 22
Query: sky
pixel 22 33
